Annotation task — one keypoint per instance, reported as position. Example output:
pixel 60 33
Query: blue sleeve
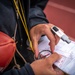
pixel 36 14
pixel 26 70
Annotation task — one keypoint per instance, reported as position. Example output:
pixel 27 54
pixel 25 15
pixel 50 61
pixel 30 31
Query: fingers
pixel 51 37
pixel 35 48
pixel 54 39
pixel 54 57
pixel 52 45
pixel 72 38
pixel 57 39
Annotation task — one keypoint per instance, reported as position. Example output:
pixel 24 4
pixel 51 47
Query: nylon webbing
pixel 23 20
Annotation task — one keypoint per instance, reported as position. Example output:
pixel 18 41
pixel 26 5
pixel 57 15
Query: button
pixel 55 28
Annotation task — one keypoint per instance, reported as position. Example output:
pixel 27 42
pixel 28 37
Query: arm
pixel 26 70
pixel 36 14
pixel 38 67
pixel 39 25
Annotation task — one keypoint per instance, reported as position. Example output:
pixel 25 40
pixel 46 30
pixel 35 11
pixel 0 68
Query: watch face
pixel 44 54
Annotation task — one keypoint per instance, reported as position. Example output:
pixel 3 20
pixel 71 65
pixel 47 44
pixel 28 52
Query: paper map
pixel 67 62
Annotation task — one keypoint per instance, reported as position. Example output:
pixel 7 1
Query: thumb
pixel 53 57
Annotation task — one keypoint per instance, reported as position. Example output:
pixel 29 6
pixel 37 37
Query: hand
pixel 72 38
pixel 37 31
pixel 45 66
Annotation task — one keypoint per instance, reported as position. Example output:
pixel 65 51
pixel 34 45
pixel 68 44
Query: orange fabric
pixel 7 50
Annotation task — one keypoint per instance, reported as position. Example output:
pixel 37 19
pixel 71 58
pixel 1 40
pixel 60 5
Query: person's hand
pixel 37 31
pixel 45 66
pixel 72 38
